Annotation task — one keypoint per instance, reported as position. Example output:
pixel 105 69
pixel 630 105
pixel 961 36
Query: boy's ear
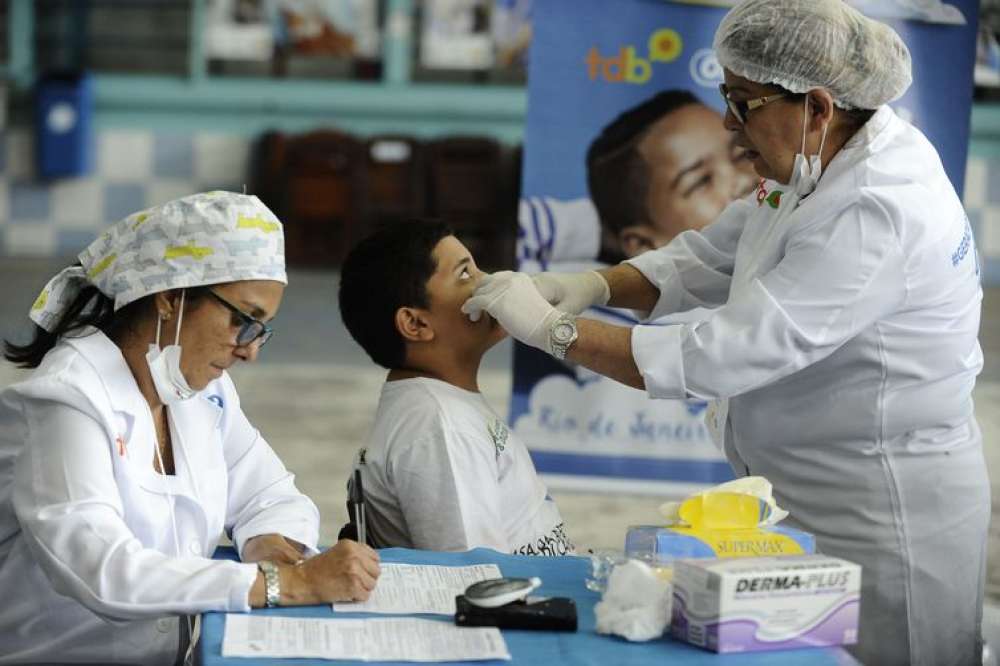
pixel 413 325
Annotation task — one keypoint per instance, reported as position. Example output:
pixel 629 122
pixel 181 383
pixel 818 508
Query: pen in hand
pixel 358 500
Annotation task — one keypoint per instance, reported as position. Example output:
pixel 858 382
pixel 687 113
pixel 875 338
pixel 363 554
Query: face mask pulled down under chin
pixel 806 171
pixel 165 368
pixel 805 175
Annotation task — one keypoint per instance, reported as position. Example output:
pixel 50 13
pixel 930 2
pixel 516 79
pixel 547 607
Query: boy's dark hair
pixel 617 176
pixel 386 271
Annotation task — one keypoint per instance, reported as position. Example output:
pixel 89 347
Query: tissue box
pixel 766 603
pixel 662 545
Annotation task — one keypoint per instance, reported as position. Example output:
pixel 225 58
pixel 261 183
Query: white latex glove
pixel 573 292
pixel 512 299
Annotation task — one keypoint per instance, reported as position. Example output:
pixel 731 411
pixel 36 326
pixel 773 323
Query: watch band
pixel 272 583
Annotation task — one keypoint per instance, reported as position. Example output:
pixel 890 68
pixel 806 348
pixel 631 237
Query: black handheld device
pixel 547 614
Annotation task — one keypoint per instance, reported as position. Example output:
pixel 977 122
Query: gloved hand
pixel 512 299
pixel 573 292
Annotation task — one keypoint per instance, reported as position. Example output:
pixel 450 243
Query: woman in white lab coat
pixel 122 463
pixel 845 338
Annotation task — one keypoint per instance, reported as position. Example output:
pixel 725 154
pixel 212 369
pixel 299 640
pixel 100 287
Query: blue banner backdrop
pixel 591 60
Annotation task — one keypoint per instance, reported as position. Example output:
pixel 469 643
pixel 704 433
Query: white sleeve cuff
pixel 302 531
pixel 657 353
pixel 244 575
pixel 662 274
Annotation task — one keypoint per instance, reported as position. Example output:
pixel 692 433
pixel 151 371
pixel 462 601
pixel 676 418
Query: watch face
pixel 563 332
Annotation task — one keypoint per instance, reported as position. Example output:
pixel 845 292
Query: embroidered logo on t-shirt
pixel 499 434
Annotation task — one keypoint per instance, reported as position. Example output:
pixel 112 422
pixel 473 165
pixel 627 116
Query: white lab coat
pixel 88 562
pixel 847 344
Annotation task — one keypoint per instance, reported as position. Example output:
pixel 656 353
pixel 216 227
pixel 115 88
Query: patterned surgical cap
pixel 202 239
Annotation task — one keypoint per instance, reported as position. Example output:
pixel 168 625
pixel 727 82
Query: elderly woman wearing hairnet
pixel 125 454
pixel 845 341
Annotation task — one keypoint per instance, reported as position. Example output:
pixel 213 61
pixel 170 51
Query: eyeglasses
pixel 251 330
pixel 740 109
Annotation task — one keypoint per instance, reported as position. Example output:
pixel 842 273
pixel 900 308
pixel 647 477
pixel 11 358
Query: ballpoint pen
pixel 358 500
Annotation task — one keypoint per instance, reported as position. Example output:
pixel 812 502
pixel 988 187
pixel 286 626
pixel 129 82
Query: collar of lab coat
pixel 883 117
pixel 111 370
pixel 193 419
pixel 866 140
pixel 122 390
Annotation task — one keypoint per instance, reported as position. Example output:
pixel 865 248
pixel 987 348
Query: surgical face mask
pixel 165 366
pixel 806 171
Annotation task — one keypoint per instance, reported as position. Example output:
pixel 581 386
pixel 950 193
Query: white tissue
pixel 636 604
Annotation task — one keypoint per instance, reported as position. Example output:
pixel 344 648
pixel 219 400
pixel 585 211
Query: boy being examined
pixel 441 471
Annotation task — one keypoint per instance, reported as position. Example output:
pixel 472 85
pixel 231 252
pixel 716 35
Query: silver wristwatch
pixel 272 583
pixel 562 333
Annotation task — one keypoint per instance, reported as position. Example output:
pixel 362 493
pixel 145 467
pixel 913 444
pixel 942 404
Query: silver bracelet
pixel 272 583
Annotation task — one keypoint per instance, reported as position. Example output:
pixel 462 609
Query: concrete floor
pixel 313 394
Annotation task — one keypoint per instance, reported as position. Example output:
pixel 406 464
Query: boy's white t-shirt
pixel 443 472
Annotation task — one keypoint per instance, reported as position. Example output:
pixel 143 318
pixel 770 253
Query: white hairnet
pixel 202 239
pixel 805 44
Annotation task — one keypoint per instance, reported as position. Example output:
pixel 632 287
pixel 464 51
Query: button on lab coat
pixel 89 566
pixel 847 345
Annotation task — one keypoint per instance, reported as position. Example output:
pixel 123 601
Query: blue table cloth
pixel 561 577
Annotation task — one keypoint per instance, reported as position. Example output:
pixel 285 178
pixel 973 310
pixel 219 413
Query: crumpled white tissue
pixel 636 604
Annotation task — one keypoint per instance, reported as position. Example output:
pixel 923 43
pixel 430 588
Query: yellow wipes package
pixel 724 510
pixel 735 519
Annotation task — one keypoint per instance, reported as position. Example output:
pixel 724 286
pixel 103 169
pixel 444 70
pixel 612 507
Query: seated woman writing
pixel 125 455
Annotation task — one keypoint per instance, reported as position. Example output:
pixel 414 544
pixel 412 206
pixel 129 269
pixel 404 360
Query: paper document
pixel 420 588
pixel 376 639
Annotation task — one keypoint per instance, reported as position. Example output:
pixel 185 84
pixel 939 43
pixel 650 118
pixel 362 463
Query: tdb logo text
pixel 665 45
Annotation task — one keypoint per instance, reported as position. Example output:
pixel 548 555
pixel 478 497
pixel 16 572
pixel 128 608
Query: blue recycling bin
pixel 64 108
